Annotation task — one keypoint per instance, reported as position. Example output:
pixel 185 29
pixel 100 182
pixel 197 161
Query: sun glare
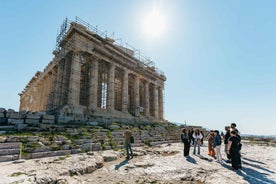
pixel 154 24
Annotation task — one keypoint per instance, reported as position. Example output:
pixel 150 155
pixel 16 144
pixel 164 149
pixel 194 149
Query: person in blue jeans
pixel 127 135
pixel 197 136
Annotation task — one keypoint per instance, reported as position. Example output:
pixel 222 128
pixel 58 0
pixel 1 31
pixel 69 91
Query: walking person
pixel 216 145
pixel 127 136
pixel 210 139
pixel 186 140
pixel 197 136
pixel 233 150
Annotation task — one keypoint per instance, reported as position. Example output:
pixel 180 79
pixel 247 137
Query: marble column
pixel 74 83
pixel 125 92
pixel 136 96
pixel 110 87
pixel 147 103
pixel 155 102
pixel 93 90
pixel 160 103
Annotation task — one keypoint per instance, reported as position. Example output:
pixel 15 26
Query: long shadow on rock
pixel 191 159
pixel 121 164
pixel 253 176
pixel 204 158
pixel 248 159
pixel 257 166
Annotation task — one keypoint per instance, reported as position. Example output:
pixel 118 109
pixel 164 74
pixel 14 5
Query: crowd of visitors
pixel 231 139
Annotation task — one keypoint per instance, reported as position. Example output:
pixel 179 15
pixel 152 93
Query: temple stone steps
pixel 9 151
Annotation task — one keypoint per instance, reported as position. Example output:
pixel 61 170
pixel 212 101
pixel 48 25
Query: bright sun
pixel 154 24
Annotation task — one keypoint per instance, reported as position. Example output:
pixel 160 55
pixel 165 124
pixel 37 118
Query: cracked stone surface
pixel 162 164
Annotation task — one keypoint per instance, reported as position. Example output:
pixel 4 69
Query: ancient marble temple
pixel 91 75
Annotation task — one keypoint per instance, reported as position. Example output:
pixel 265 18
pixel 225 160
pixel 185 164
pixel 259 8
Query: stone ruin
pixel 94 78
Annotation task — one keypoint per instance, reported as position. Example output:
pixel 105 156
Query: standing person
pixel 197 140
pixel 216 145
pixel 202 137
pixel 233 150
pixel 226 138
pixel 191 136
pixel 186 140
pixel 234 127
pixel 127 135
pixel 210 139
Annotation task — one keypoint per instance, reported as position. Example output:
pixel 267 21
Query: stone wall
pixel 70 140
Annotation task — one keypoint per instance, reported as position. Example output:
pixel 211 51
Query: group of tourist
pixel 232 142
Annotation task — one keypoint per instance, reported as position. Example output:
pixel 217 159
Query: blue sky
pixel 218 56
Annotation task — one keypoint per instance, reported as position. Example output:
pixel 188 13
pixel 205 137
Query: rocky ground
pixel 162 164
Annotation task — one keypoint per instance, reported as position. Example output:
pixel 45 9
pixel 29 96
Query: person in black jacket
pixel 191 132
pixel 186 140
pixel 234 150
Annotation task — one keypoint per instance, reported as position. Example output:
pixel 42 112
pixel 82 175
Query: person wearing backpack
pixel 186 140
pixel 127 136
pixel 217 145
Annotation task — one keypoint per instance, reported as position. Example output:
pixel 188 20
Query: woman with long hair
pixel 197 141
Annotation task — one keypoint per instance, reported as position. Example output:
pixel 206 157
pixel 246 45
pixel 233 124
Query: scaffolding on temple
pixel 71 73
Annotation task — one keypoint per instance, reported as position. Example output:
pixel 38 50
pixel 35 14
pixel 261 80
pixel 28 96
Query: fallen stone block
pixel 10 145
pixel 14 116
pixel 9 151
pixel 109 156
pixel 48 121
pixel 6 158
pixel 6 127
pixel 48 117
pixel 32 116
pixel 21 126
pixel 16 121
pixel 50 154
pixel 32 121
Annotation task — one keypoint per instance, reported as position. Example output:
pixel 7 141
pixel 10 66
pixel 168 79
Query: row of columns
pixel 74 89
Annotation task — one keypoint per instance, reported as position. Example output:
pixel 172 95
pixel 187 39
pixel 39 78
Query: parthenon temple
pixel 91 75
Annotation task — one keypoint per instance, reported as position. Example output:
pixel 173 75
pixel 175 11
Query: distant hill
pixel 259 136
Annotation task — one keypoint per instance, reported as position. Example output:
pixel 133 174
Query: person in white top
pixel 197 136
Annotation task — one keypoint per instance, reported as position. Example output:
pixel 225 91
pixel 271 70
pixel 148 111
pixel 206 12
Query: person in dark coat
pixel 191 136
pixel 186 140
pixel 234 150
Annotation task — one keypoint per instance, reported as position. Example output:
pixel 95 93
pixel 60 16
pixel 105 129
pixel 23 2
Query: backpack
pixel 182 138
pixel 131 139
pixel 219 142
